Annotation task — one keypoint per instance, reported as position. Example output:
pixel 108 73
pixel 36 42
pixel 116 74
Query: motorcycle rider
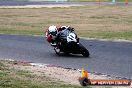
pixel 64 39
pixel 53 32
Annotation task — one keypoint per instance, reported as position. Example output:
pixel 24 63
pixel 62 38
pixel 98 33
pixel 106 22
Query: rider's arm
pixel 49 38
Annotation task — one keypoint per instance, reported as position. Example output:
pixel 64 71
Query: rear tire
pixel 85 53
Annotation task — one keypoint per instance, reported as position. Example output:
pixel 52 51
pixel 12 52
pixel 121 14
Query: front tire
pixel 57 50
pixel 84 51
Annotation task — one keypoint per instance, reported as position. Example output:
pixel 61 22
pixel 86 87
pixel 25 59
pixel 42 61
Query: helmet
pixel 52 30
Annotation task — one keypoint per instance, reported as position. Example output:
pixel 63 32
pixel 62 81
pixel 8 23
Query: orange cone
pixel 86 73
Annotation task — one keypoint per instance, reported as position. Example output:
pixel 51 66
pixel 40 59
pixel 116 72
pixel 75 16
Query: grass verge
pixel 95 21
pixel 107 35
pixel 11 77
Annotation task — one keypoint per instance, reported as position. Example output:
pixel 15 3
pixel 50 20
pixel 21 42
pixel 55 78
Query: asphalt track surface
pixel 107 57
pixel 24 3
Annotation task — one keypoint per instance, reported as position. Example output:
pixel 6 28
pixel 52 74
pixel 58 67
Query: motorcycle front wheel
pixel 57 50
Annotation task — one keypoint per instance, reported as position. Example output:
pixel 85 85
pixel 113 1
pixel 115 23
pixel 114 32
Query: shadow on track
pixel 70 55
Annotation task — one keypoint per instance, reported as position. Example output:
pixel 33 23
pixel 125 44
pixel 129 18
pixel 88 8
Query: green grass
pixel 21 32
pixel 94 21
pixel 15 78
pixel 107 35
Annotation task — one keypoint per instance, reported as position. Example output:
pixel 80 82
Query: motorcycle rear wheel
pixel 84 51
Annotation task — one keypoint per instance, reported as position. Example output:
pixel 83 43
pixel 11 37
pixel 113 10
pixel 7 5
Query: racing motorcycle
pixel 68 42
